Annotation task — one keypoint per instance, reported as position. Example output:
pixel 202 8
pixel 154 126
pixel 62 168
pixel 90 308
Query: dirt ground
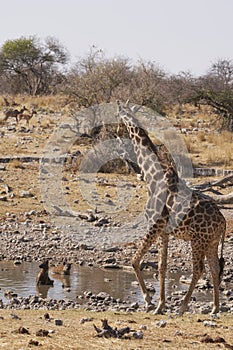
pixel 159 332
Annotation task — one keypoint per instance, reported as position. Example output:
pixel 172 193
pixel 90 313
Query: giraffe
pixel 172 208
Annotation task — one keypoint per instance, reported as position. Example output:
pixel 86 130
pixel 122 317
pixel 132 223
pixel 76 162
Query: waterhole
pixel 119 283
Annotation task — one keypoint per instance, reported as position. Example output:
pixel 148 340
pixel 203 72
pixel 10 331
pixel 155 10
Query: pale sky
pixel 178 35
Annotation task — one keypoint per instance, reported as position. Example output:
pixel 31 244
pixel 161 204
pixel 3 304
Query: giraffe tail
pixel 221 259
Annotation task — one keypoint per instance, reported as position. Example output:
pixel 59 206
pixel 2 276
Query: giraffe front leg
pixel 146 295
pixel 162 265
pixel 144 246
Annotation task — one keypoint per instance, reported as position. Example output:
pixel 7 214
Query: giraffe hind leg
pixel 216 269
pixel 198 269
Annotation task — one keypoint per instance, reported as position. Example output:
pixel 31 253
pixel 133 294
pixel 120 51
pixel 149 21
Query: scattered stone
pixel 25 194
pixel 111 266
pixel 134 306
pixel 86 319
pixel 112 249
pixel 33 342
pixel 208 339
pixel 58 322
pixel 161 324
pixel 143 327
pixel 47 317
pixel 15 317
pixel 21 330
pixel 42 333
pixel 210 324
pixel 10 294
pixel 138 335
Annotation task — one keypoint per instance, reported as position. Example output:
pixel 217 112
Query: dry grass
pixel 210 149
pixel 46 103
pixel 180 333
pixel 207 147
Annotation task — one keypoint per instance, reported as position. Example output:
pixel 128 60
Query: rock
pixel 25 194
pixel 46 316
pixel 33 342
pixel 208 339
pixel 210 324
pixel 86 319
pixel 137 335
pixel 161 324
pixel 22 330
pixel 42 333
pixel 134 306
pixel 111 266
pixel 112 249
pixel 204 310
pixel 110 261
pixel 143 327
pixel 15 317
pixel 102 295
pixel 58 322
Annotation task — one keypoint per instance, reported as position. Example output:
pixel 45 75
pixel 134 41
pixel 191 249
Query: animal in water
pixel 43 275
pixel 63 269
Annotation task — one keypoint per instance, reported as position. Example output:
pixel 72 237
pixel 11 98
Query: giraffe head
pixel 127 116
pixel 126 109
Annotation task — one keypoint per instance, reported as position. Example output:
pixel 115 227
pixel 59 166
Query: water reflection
pixel 42 291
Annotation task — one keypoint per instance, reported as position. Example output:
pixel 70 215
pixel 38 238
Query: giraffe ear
pixel 127 104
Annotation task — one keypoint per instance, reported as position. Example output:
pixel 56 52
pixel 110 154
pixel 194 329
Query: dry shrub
pixel 190 144
pixel 220 156
pixel 49 103
pixel 220 139
pixel 201 136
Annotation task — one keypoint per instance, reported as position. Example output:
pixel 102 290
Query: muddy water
pixel 118 283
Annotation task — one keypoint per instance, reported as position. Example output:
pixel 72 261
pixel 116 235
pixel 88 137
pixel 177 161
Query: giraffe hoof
pixel 158 312
pixel 181 312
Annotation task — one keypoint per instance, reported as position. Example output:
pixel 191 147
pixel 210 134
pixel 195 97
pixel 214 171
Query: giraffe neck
pixel 147 153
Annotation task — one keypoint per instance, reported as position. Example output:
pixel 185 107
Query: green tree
pixel 31 66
